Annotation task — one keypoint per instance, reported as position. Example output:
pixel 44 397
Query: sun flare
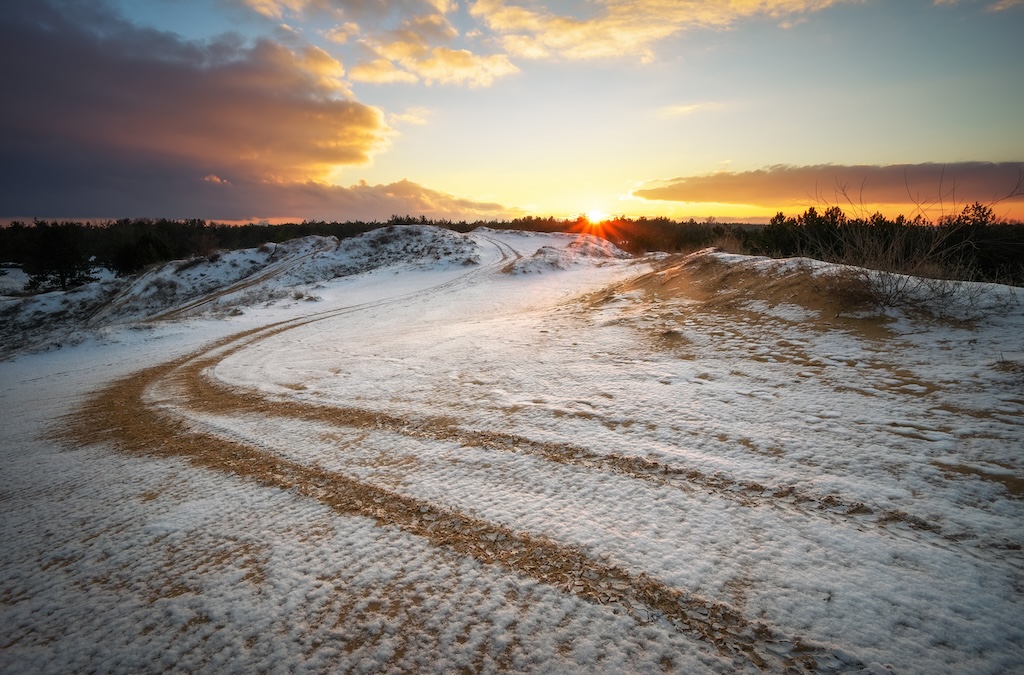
pixel 597 216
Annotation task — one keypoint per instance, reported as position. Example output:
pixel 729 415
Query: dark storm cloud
pixel 102 118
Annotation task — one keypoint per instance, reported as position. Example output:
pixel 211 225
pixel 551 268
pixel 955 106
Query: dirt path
pixel 154 413
pixel 118 416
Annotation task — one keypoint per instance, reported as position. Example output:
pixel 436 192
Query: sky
pixel 290 110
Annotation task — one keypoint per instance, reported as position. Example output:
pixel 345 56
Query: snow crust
pixel 849 484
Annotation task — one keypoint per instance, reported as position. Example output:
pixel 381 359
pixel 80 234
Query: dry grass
pixel 850 289
pixel 728 243
pixel 725 288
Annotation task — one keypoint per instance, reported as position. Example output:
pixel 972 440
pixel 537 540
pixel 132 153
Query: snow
pixel 12 280
pixel 714 476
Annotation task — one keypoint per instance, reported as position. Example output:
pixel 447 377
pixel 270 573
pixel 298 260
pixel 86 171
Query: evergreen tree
pixel 55 258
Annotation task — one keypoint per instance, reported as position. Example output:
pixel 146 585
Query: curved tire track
pixel 119 415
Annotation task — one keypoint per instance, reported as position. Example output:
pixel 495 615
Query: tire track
pixel 124 415
pixel 208 395
pixel 248 282
pixel 118 416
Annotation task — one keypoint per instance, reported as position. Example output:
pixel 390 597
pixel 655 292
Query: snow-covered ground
pixel 419 451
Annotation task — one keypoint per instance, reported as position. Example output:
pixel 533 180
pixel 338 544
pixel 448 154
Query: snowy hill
pixel 575 250
pixel 224 281
pixel 512 452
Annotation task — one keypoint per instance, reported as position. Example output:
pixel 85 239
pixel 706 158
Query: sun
pixel 597 216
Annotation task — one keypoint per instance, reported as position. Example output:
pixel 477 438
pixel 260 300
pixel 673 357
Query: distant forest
pixel 970 245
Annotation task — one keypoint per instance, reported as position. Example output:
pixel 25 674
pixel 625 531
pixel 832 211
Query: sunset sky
pixel 239 110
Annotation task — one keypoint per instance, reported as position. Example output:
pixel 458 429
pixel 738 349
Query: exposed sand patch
pixel 726 288
pixel 1013 484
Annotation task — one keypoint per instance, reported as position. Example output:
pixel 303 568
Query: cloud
pixel 929 186
pixel 1005 4
pixel 415 115
pixel 329 72
pixel 317 201
pixel 460 66
pixel 111 120
pixel 403 41
pixel 281 9
pixel 685 109
pixel 278 10
pixel 419 48
pixel 416 199
pixel 99 113
pixel 88 189
pixel 342 33
pixel 380 71
pixel 620 27
pixel 998 6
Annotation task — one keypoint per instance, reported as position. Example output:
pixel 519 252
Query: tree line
pixel 971 245
pixel 60 254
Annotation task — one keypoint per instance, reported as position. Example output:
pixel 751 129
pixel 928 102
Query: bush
pixel 969 246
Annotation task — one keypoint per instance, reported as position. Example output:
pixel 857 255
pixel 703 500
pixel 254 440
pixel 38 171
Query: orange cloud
pixel 281 9
pixel 110 119
pixel 278 9
pixel 460 66
pixel 620 27
pixel 432 203
pixel 342 33
pixel 265 112
pixel 318 201
pixel 328 70
pixel 929 188
pixel 380 71
pixel 418 49
pixel 413 50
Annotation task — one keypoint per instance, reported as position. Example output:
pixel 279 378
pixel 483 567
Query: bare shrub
pixel 850 287
pixel 189 264
pixel 298 294
pixel 728 242
pixel 898 263
pixel 859 288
